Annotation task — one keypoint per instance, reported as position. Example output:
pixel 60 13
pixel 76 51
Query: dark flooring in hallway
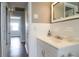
pixel 17 49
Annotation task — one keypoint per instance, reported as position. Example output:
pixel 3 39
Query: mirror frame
pixel 65 18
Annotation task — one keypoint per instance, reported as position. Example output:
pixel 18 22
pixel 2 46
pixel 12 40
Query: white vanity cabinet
pixel 46 50
pixel 70 51
pixel 50 51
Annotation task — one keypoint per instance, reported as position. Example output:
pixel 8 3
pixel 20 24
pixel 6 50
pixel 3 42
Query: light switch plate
pixel 36 16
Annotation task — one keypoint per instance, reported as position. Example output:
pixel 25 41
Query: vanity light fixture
pixel 11 10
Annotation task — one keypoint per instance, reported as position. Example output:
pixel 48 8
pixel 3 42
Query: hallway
pixel 17 49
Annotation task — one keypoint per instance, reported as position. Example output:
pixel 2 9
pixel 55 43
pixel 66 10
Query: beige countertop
pixel 57 42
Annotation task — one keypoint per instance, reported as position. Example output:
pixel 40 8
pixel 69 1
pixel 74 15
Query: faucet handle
pixel 49 33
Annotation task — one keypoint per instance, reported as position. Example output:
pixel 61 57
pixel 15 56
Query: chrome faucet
pixel 49 33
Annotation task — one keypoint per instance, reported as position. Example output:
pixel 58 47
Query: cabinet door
pixel 45 50
pixel 50 51
pixel 40 48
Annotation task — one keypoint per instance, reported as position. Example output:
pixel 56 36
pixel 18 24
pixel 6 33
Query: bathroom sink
pixel 58 42
pixel 58 38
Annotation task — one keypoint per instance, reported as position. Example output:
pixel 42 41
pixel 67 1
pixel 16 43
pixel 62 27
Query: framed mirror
pixel 58 10
pixel 69 11
pixel 61 10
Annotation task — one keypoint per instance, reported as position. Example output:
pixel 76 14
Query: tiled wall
pixel 40 28
pixel 36 29
pixel 68 29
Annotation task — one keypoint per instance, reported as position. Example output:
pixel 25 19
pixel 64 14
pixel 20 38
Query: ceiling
pixel 18 4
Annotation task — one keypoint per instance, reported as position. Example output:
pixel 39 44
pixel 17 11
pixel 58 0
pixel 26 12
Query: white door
pixel 15 26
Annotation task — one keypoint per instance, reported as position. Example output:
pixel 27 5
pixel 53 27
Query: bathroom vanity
pixel 53 47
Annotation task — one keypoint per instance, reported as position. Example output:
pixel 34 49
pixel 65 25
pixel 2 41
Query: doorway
pixel 17 33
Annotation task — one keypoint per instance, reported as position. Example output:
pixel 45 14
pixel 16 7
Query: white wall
pixel 42 12
pixel 29 24
pixel 66 29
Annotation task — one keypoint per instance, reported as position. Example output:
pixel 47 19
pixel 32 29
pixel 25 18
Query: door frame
pixel 8 30
pixel 0 29
pixel 3 29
